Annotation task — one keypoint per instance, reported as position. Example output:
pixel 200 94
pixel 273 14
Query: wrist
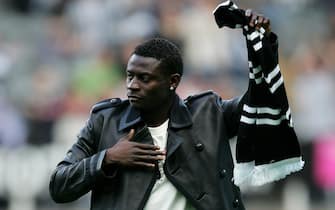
pixel 108 159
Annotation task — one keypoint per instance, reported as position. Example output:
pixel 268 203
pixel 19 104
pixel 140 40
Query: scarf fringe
pixel 247 174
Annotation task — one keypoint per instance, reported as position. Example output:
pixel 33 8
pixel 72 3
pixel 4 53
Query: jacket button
pixel 236 203
pixel 199 147
pixel 115 101
pixel 223 173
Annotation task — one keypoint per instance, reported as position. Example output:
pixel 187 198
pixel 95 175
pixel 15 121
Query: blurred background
pixel 59 57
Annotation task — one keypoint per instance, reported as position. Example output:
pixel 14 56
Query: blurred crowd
pixel 59 57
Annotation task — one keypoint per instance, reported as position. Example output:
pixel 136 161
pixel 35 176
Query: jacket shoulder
pixel 107 104
pixel 200 96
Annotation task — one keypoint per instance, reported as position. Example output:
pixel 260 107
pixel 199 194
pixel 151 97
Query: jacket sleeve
pixel 232 110
pixel 77 173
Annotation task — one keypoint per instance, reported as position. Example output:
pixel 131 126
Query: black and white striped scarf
pixel 267 147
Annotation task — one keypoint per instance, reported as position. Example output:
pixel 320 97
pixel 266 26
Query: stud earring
pixel 171 88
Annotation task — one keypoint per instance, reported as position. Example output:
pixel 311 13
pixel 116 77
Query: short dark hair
pixel 163 50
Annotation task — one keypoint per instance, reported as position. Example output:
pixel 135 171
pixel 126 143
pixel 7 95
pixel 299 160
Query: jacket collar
pixel 180 116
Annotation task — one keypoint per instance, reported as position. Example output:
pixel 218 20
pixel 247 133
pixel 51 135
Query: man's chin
pixel 136 104
pixel 141 107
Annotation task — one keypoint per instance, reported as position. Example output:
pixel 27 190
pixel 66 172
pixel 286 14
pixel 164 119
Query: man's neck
pixel 154 118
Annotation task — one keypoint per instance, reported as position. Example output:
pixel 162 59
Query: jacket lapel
pixel 173 142
pixel 180 118
pixel 130 118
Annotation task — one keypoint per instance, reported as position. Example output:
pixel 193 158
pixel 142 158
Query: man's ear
pixel 174 80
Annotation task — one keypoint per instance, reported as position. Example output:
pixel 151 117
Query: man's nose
pixel 133 84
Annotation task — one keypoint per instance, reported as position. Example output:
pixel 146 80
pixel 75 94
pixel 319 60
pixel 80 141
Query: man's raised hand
pixel 258 20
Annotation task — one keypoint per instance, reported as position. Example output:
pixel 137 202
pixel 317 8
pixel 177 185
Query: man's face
pixel 147 86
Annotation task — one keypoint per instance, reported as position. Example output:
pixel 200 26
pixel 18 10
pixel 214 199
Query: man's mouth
pixel 134 98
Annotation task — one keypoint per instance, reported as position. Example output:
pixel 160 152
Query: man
pixel 155 150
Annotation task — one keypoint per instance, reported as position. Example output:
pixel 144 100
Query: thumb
pixel 130 135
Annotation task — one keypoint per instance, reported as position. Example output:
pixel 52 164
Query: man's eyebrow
pixel 139 73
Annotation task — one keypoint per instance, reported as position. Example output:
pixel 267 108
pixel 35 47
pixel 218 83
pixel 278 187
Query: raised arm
pixel 267 147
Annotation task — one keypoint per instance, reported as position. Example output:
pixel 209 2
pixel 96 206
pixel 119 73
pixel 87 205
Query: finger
pixel 149 158
pixel 253 20
pixel 150 152
pixel 130 135
pixel 260 20
pixel 248 12
pixel 268 29
pixel 140 163
pixel 266 24
pixel 146 146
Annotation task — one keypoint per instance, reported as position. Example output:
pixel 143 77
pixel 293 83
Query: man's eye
pixel 144 78
pixel 129 76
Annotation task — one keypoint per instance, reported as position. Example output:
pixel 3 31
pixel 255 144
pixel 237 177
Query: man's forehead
pixel 142 62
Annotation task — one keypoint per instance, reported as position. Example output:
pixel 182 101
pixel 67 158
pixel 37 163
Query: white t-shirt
pixel 164 196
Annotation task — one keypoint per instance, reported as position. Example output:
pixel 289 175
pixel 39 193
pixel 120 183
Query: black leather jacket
pixel 198 163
